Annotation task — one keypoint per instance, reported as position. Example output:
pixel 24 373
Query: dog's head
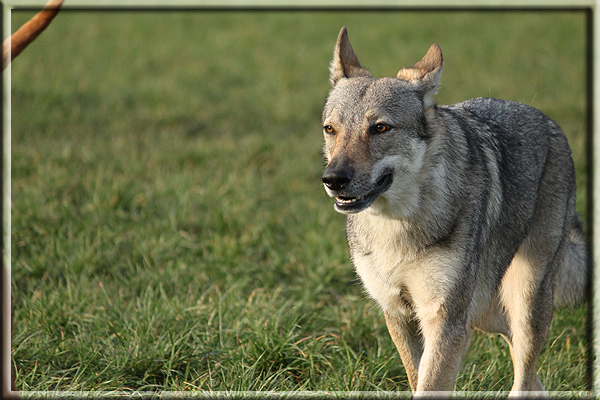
pixel 376 131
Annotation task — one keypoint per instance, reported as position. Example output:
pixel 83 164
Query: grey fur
pixel 459 216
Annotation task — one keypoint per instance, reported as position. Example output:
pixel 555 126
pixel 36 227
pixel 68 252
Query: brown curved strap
pixel 29 31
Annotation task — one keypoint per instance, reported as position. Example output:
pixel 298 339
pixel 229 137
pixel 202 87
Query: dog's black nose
pixel 335 183
pixel 336 178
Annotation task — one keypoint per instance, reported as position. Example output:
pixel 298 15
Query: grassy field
pixel 169 227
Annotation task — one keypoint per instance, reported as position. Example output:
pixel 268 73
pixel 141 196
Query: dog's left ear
pixel 345 63
pixel 426 74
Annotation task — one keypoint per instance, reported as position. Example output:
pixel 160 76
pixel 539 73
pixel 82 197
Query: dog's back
pixel 529 143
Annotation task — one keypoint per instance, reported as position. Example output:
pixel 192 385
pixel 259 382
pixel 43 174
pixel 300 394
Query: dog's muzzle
pixel 337 178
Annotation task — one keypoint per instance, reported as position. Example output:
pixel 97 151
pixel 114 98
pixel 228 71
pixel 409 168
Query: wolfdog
pixel 458 217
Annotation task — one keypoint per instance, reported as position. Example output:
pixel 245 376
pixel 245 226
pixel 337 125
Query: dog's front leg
pixel 404 330
pixel 445 342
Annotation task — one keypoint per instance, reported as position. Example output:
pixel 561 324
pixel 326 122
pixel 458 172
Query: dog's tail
pixel 26 34
pixel 573 276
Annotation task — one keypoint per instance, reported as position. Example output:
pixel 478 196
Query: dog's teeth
pixel 348 201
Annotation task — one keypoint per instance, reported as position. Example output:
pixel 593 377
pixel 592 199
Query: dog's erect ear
pixel 345 63
pixel 426 74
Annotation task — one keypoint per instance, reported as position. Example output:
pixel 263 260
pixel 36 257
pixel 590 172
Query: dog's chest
pixel 394 269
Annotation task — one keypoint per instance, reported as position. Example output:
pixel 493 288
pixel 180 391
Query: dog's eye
pixel 328 129
pixel 380 128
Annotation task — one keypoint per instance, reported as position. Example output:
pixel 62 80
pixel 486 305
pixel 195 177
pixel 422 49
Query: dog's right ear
pixel 345 63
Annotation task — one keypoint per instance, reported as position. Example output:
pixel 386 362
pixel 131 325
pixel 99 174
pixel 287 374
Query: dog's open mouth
pixel 348 205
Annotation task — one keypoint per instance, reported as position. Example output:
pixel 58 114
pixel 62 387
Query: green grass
pixel 169 228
